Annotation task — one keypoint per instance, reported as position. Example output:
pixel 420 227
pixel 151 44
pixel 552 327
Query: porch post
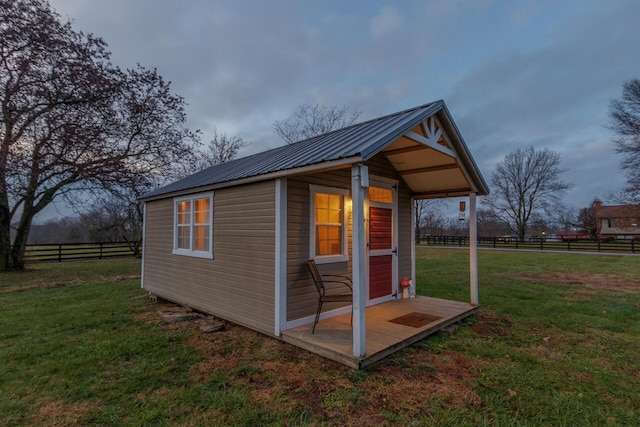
pixel 473 249
pixel 413 241
pixel 280 306
pixel 359 179
pixel 144 242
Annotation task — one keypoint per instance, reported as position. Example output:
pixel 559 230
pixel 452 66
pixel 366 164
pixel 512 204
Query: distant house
pixel 233 240
pixel 620 222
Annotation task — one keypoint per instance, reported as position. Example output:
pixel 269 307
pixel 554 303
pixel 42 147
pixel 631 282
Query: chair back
pixel 315 274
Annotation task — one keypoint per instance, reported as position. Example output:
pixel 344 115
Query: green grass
pixel 555 343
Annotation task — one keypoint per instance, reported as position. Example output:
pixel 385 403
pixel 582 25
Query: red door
pixel 380 252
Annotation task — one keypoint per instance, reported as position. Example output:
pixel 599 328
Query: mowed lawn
pixel 556 342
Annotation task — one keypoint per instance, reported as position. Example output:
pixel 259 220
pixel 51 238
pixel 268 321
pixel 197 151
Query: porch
pixel 390 327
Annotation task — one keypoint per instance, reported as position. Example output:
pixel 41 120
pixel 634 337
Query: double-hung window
pixel 328 221
pixel 193 225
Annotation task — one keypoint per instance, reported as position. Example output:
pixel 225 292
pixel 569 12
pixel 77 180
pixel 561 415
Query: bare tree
pixel 221 148
pixel 586 219
pixel 312 120
pixel 119 212
pixel 563 217
pixel 526 182
pixel 72 121
pixel 624 115
pixel 425 209
pixel 490 225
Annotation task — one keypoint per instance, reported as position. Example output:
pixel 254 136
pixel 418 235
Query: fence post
pixel 60 252
pixel 569 245
pixel 633 249
pixel 598 245
pixel 541 244
pixel 100 250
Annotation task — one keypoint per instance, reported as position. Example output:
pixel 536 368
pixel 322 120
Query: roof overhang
pixel 433 159
pixel 315 168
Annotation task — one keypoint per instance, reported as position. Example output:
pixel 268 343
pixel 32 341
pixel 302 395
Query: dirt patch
pixel 58 413
pixel 273 372
pixel 601 281
pixel 490 324
pixel 76 282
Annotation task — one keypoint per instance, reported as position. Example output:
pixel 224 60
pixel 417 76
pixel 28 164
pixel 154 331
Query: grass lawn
pixel 556 342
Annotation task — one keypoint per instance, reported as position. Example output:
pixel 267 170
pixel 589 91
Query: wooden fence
pixel 77 251
pixel 541 244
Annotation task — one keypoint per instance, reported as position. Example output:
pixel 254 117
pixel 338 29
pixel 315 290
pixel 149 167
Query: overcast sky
pixel 513 73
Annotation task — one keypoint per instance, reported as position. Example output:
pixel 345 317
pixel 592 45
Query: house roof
pixel 423 144
pixel 619 211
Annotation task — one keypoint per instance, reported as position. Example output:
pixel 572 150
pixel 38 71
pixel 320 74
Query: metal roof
pixel 355 143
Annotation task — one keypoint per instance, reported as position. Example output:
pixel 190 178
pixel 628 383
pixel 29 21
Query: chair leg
pixel 317 317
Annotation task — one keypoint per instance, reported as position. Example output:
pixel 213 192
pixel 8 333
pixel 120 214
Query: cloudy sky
pixel 513 73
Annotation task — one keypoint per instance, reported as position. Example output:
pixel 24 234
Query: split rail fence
pixel 77 251
pixel 541 244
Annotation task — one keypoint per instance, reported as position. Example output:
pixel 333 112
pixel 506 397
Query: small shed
pixel 233 240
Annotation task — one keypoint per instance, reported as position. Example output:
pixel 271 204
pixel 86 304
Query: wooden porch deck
pixel 333 337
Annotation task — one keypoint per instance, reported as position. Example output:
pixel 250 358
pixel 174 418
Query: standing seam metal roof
pixel 363 140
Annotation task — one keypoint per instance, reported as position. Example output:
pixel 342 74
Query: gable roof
pixel 619 211
pixel 353 144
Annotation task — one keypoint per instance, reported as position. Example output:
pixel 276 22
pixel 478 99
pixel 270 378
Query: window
pixel 328 224
pixel 193 225
pixel 379 194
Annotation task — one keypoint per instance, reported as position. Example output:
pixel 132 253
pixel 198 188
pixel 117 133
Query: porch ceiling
pixel 429 162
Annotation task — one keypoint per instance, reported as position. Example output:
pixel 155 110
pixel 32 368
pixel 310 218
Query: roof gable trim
pixel 431 143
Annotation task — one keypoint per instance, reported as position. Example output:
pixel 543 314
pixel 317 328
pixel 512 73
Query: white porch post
pixel 359 179
pixel 144 241
pixel 280 306
pixel 413 240
pixel 473 249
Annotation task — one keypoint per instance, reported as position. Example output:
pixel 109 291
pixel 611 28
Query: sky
pixel 512 73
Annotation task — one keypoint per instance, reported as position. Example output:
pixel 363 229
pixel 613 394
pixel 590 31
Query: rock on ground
pixel 211 325
pixel 178 314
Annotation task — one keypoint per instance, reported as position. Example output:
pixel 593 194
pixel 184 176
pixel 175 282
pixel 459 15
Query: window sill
pixel 330 259
pixel 193 254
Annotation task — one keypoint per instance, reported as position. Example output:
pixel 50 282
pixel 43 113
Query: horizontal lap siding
pixel 238 284
pixel 302 297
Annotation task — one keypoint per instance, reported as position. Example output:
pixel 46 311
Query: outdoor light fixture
pixel 463 206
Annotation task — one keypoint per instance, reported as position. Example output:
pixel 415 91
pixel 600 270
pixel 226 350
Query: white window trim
pixel 191 252
pixel 326 259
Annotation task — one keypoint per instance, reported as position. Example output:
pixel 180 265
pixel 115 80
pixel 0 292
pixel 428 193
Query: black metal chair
pixel 320 281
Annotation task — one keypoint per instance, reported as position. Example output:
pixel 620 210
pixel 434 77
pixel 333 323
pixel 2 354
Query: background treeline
pixel 92 227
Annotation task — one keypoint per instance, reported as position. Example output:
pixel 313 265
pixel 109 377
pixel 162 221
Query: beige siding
pixel 301 293
pixel 302 296
pixel 238 284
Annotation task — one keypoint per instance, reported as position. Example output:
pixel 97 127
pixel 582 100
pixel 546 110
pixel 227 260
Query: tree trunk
pixel 5 243
pixel 5 228
pixel 20 241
